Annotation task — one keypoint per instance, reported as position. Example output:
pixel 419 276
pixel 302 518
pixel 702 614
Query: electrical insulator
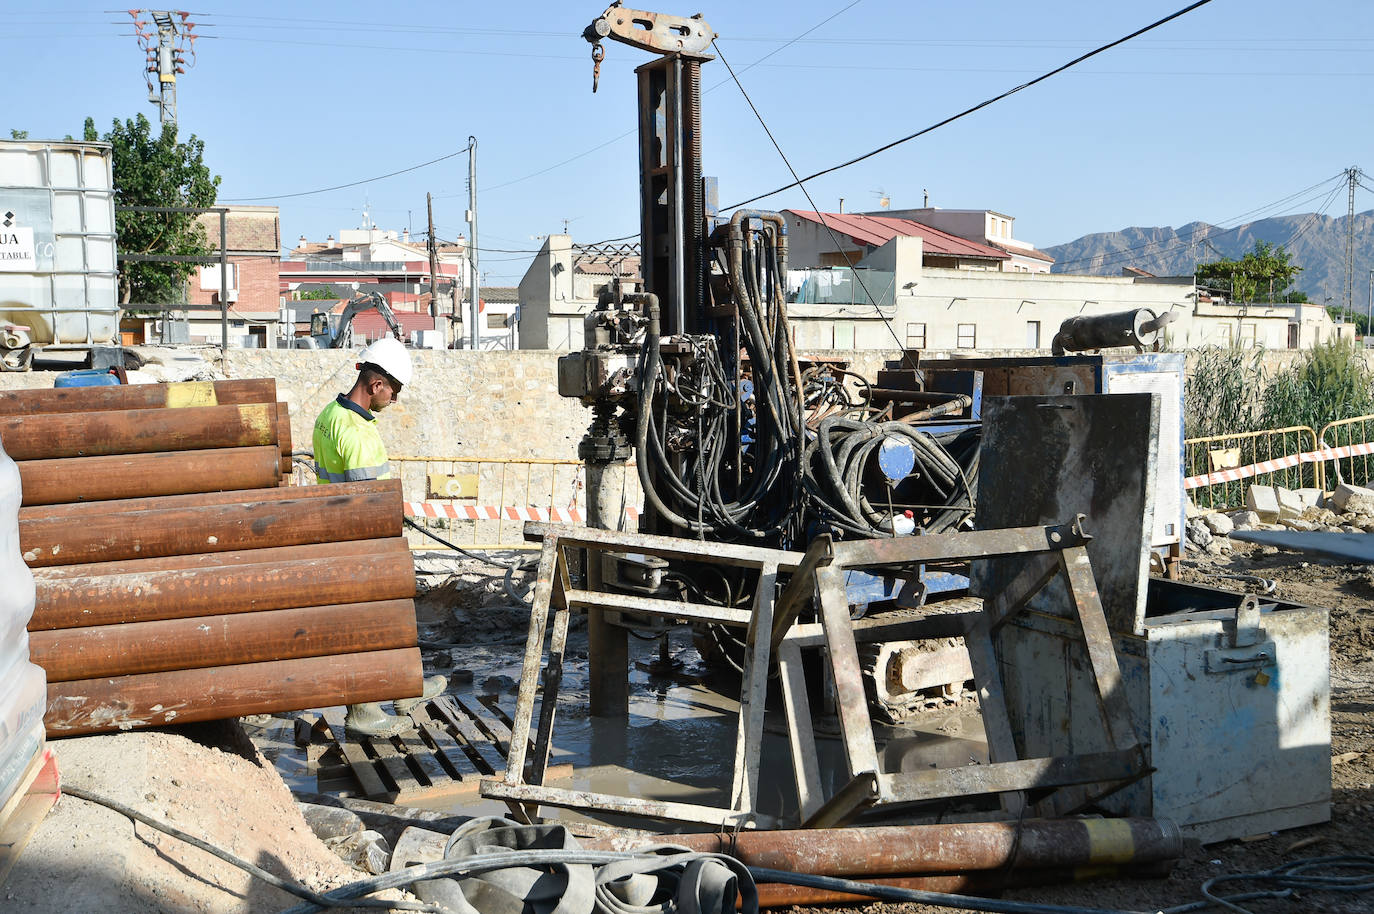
pixel 180 70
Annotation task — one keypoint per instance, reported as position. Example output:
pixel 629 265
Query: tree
pixel 157 171
pixel 325 294
pixel 1262 275
pixel 19 134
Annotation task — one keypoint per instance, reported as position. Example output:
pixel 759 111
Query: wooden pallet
pixel 454 744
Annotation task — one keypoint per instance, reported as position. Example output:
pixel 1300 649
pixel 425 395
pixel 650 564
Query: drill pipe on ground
pixel 185 696
pixel 904 850
pixel 64 480
pixel 137 396
pixel 212 528
pixel 981 882
pixel 148 596
pixel 246 496
pixel 138 431
pixel 223 640
pixel 345 550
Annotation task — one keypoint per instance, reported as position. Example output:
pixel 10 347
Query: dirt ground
pixel 87 858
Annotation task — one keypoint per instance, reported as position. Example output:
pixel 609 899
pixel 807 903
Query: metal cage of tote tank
pixel 58 275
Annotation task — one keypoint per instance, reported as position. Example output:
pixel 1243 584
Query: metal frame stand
pixel 1051 551
pixel 818 577
pixel 522 788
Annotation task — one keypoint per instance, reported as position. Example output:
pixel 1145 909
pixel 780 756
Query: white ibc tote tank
pixel 23 687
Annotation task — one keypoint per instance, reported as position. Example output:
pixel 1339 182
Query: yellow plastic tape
pixel 1109 841
pixel 191 393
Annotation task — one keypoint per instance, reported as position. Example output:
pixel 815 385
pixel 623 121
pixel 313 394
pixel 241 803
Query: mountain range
pixel 1315 242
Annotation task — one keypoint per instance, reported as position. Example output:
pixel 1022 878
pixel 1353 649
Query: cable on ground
pixel 286 885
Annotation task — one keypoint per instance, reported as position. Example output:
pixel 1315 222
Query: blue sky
pixel 1234 106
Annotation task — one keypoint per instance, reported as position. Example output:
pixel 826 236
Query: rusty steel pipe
pixel 988 884
pixel 138 431
pixel 185 696
pixel 223 640
pixel 189 592
pixel 284 430
pixel 782 895
pixel 345 550
pixel 245 496
pixel 210 528
pixel 76 479
pixel 904 850
pixel 137 396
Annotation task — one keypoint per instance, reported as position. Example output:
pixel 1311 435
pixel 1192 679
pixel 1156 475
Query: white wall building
pixel 562 285
pixel 980 311
pixel 986 227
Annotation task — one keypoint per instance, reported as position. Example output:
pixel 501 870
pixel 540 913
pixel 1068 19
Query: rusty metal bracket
pixel 657 33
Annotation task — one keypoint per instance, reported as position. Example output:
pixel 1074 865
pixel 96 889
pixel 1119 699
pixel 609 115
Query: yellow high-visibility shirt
pixel 348 447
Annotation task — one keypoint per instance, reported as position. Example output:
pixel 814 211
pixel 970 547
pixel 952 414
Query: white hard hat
pixel 389 354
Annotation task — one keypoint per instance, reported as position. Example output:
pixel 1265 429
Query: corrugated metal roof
pixel 879 230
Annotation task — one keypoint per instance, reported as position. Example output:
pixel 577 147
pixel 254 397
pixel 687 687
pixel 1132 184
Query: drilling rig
pixel 735 439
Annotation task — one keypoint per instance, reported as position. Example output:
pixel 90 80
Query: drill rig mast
pixel 694 374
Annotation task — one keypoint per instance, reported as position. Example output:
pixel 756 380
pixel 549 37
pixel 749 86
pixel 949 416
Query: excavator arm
pixel 364 301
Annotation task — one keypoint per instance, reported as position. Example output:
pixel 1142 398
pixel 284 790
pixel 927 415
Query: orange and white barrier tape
pixel 1278 463
pixel 448 511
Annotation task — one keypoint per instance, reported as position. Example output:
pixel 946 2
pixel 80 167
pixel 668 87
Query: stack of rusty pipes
pixel 177 580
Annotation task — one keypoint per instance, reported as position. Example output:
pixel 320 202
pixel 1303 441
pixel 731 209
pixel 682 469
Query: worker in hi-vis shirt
pixel 348 448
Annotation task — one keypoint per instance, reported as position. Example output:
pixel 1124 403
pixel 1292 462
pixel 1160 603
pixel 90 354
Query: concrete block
pixel 1263 501
pixel 1190 510
pixel 1353 499
pixel 1244 520
pixel 1198 532
pixel 1311 498
pixel 1219 524
pixel 1290 505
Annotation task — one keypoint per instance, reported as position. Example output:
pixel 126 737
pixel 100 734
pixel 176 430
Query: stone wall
pixel 461 403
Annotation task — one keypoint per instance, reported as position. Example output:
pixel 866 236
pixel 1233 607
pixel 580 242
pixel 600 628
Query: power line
pixel 322 190
pixel 630 133
pixel 833 240
pixel 981 105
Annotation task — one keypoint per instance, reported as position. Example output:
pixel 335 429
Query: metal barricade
pixel 1219 468
pixel 484 502
pixel 1354 440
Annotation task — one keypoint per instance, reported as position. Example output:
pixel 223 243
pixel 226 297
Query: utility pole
pixel 1352 175
pixel 433 247
pixel 174 37
pixel 474 300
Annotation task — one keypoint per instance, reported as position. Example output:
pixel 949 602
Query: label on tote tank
pixel 16 245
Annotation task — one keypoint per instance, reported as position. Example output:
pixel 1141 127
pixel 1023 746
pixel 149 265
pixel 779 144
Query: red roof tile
pixel 878 230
